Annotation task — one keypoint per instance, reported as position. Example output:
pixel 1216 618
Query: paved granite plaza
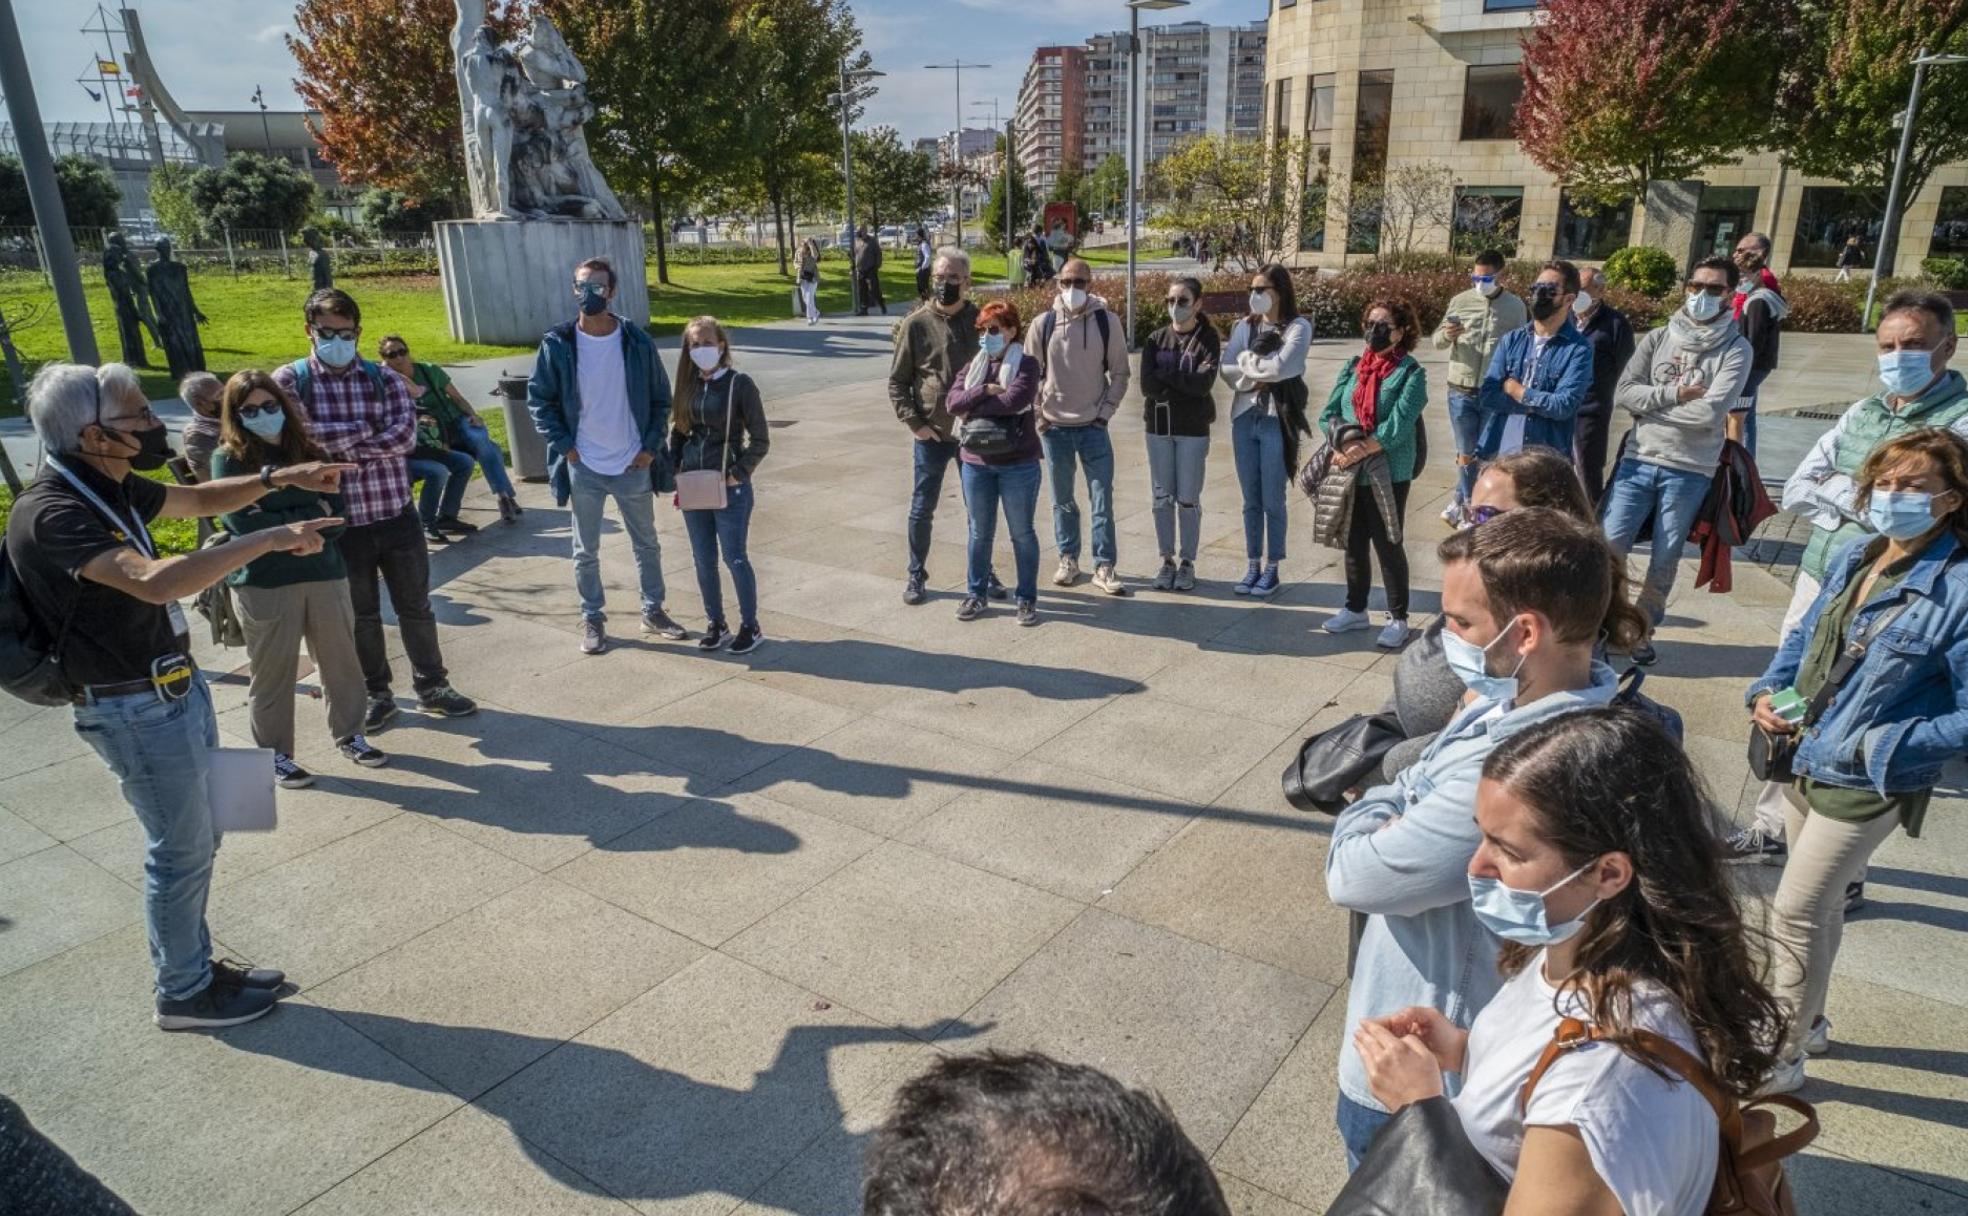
pixel 663 931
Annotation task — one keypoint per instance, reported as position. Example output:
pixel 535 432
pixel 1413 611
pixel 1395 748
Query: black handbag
pixel 1770 755
pixel 991 437
pixel 1421 1163
pixel 1339 759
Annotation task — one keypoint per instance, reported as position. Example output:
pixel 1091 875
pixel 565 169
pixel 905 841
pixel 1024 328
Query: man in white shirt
pixel 600 399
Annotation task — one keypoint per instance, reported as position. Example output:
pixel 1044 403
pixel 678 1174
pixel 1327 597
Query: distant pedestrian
pixel 1475 321
pixel 1760 309
pixel 867 269
pixel 809 279
pixel 201 393
pixel 1606 330
pixel 924 257
pixel 719 423
pixel 1179 366
pixel 1850 258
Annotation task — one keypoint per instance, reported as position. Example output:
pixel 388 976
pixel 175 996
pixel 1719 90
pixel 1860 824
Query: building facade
pixel 1379 84
pixel 1050 123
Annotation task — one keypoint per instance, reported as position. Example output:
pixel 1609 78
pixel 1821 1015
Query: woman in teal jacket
pixel 1383 390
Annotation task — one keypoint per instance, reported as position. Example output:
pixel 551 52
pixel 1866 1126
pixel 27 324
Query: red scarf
pixel 1746 287
pixel 1367 376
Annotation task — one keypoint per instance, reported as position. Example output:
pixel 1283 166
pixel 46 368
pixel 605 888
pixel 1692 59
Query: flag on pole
pixel 108 67
pixel 93 95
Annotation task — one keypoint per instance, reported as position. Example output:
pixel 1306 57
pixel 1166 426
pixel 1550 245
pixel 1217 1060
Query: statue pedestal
pixel 506 282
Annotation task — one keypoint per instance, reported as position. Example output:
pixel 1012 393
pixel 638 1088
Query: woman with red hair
pixel 999 448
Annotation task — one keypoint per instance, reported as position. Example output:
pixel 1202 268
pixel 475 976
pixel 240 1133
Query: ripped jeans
pixel 1175 473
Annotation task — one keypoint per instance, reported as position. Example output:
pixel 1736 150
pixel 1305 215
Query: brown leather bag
pixel 1749 1173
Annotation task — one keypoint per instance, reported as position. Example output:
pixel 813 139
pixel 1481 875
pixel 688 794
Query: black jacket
pixel 1611 338
pixel 1178 374
pixel 1763 332
pixel 709 445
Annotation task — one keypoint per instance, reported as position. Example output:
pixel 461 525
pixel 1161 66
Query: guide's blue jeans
pixel 1066 449
pixel 159 753
pixel 1017 487
pixel 1672 497
pixel 725 530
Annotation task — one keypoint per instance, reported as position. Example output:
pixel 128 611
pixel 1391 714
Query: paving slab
pixel 54 899
pixel 68 798
pixel 18 837
pixel 1287 1142
pixel 1150 743
pixel 731 729
pixel 882 777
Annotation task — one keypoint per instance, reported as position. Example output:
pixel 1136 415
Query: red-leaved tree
pixel 1618 95
pixel 380 72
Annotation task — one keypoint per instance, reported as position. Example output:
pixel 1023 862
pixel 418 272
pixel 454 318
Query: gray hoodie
pixel 1667 431
pixel 1082 383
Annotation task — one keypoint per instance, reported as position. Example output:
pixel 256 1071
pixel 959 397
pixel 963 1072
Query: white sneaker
pixel 1394 636
pixel 1069 572
pixel 1452 516
pixel 1819 1040
pixel 1347 621
pixel 1786 1078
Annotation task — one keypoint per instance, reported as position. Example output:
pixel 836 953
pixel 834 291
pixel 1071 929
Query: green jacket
pixel 1403 395
pixel 287 505
pixel 1485 320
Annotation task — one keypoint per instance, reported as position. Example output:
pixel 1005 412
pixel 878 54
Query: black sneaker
pixel 451 523
pixel 433 533
pixel 971 608
pixel 446 701
pixel 916 592
pixel 289 775
pixel 715 636
pixel 248 977
pixel 660 624
pixel 1751 846
pixel 508 509
pixel 1644 655
pixel 748 639
pixel 1854 896
pixel 1028 612
pixel 359 750
pixel 381 710
pixel 997 590
pixel 224 1002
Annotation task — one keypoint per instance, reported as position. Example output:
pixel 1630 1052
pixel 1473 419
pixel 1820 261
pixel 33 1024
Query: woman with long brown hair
pixel 286 597
pixel 1599 869
pixel 718 422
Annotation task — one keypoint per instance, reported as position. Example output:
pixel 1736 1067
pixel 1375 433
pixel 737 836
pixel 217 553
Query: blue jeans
pixel 1466 420
pixel 1066 446
pixel 1017 487
pixel 158 751
pixel 477 441
pixel 932 457
pixel 1258 442
pixel 1357 1125
pixel 1672 497
pixel 633 498
pixel 445 478
pixel 712 531
pixel 1749 391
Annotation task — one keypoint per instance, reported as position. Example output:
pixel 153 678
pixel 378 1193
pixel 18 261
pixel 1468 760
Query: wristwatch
pixel 266 475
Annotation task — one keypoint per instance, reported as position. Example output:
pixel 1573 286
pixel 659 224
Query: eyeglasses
pixel 253 409
pixel 1714 289
pixel 142 415
pixel 1075 282
pixel 348 333
pixel 396 353
pixel 993 329
pixel 1483 515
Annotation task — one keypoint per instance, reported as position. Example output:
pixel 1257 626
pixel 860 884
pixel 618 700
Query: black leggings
pixel 1368 528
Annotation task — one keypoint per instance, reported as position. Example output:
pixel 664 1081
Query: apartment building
pixel 1050 124
pixel 1380 83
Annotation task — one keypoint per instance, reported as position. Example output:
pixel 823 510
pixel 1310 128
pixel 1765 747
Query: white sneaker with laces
pixel 1787 1077
pixel 1347 621
pixel 1394 636
pixel 1818 1041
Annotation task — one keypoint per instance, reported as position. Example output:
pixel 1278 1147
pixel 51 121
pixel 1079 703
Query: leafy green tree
pixel 88 193
pixel 657 70
pixel 170 197
pixel 254 191
pixel 1618 95
pixel 1106 186
pixel 391 213
pixel 892 182
pixel 1839 111
pixel 1024 208
pixel 1233 191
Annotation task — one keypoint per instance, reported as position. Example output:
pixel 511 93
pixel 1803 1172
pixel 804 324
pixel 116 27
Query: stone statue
pixel 523 108
pixel 178 317
pixel 130 295
pixel 320 261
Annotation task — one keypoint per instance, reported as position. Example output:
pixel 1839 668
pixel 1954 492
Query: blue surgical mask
pixel 335 352
pixel 994 345
pixel 1520 916
pixel 266 426
pixel 1906 372
pixel 1902 514
pixel 1470 662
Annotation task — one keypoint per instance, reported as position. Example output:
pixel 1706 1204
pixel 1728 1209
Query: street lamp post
pixel 1889 232
pixel 1134 131
pixel 851 90
pixel 956 151
pixel 259 99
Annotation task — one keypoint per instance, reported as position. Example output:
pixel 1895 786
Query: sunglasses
pixel 348 333
pixel 253 409
pixel 1075 282
pixel 1483 515
pixel 1480 279
pixel 1179 301
pixel 1714 289
pixel 397 353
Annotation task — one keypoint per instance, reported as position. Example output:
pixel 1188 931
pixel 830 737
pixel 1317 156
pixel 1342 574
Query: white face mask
pixel 1490 288
pixel 705 357
pixel 1260 303
pixel 1074 298
pixel 1703 307
pixel 1581 304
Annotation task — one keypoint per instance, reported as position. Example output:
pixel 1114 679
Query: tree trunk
pixel 662 229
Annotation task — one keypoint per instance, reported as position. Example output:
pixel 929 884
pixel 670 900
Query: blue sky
pixel 212 52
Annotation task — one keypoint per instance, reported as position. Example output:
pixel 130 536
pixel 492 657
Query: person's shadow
pixel 602 1121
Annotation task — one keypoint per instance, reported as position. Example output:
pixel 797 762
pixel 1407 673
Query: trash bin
pixel 529 450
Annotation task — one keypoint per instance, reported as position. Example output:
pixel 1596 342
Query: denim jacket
pixel 1553 393
pixel 1903 714
pixel 1423 944
pixel 553 397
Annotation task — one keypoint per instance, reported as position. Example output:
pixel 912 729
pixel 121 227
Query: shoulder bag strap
pixel 1572 1033
pixel 730 404
pixel 1849 659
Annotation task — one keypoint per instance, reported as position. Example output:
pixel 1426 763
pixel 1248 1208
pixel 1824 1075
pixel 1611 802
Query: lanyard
pixel 138 535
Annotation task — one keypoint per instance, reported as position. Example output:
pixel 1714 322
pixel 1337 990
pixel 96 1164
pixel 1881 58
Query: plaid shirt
pixel 345 418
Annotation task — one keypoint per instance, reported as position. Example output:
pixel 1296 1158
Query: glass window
pixel 1281 109
pixel 1371 121
pixel 1726 213
pixel 1507 6
pixel 1489 100
pixel 1951 225
pixel 1826 215
pixel 1486 217
pixel 1592 234
pixel 1313 203
pixel 1319 105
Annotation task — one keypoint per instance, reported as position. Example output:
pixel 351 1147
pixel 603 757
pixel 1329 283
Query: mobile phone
pixel 1788 705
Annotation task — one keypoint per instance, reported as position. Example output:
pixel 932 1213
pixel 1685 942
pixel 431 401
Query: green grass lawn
pixel 256 318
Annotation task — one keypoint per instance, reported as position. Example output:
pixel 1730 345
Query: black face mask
pixel 594 303
pixel 1544 302
pixel 153 446
pixel 1380 336
pixel 948 292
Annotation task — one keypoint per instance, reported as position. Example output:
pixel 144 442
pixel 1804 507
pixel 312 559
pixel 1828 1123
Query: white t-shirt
pixel 1653 1142
pixel 1513 426
pixel 607 437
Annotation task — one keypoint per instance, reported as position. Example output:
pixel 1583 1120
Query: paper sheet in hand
pixel 240 786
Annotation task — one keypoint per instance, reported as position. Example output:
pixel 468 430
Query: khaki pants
pixel 276 619
pixel 1807 917
pixel 1771 804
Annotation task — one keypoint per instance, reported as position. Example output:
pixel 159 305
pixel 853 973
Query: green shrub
pixel 1949 274
pixel 1820 306
pixel 1642 268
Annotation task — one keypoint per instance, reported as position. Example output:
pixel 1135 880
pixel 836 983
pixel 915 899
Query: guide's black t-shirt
pixel 51 534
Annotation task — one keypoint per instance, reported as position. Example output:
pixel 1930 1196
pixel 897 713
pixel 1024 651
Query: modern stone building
pixel 1381 83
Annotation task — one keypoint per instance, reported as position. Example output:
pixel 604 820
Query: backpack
pixel 30 658
pixel 1050 323
pixel 1749 1174
pixel 1629 695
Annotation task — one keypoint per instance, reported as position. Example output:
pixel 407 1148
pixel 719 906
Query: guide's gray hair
pixel 65 397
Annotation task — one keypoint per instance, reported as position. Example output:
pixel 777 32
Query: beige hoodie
pixel 1082 383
